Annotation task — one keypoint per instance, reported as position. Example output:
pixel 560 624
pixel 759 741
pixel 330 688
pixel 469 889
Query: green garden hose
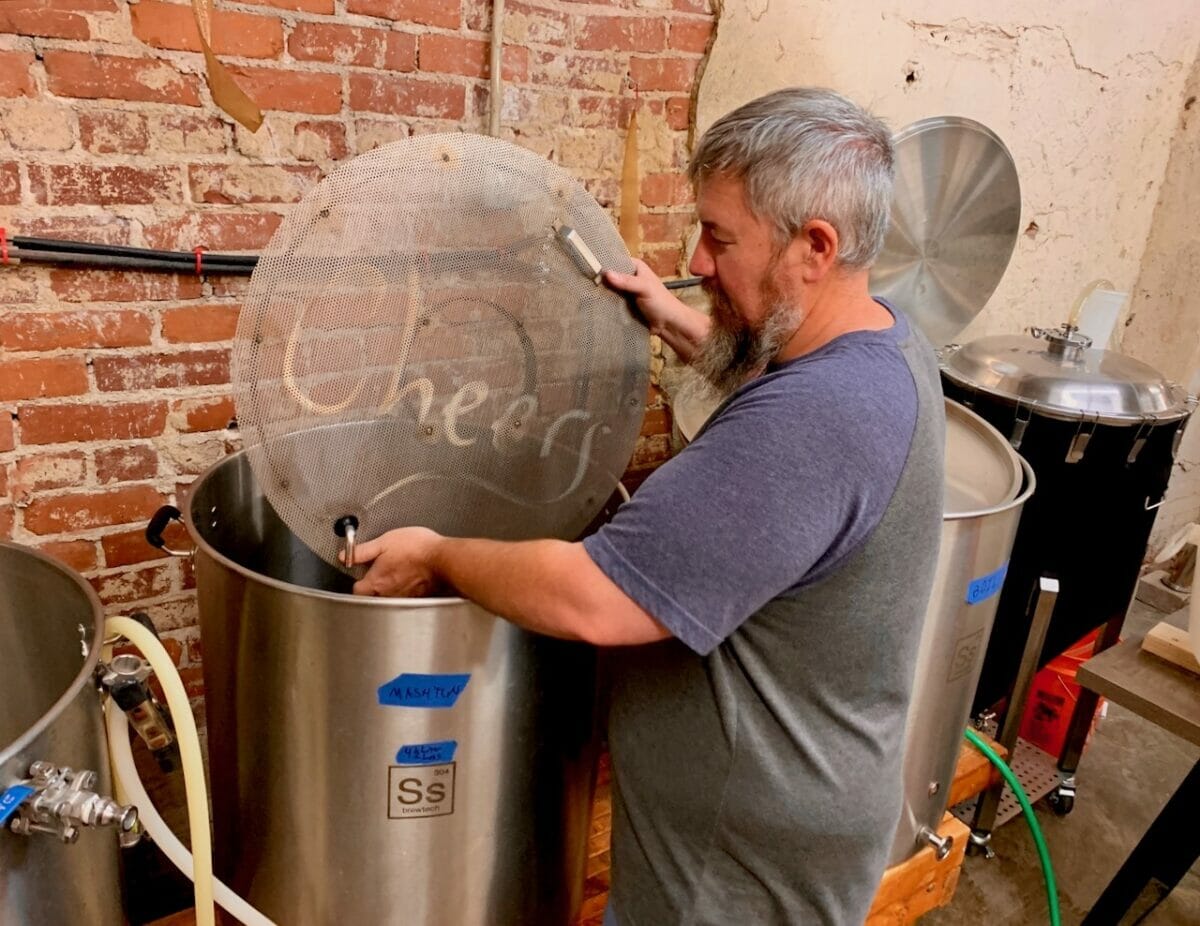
pixel 1038 838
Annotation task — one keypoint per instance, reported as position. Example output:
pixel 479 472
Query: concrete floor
pixel 1125 777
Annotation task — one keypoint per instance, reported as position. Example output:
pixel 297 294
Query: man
pixel 777 570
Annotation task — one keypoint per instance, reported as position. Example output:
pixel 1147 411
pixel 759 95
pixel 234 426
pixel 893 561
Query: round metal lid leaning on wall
pixel 956 214
pixel 425 341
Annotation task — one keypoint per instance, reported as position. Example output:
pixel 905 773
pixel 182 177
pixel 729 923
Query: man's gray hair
pixel 807 153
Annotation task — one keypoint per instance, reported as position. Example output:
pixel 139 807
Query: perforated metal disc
pixel 419 347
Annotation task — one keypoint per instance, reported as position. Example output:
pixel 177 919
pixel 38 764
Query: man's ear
pixel 819 246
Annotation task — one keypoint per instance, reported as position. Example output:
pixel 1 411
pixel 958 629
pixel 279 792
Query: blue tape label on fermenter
pixel 11 799
pixel 985 587
pixel 412 690
pixel 427 753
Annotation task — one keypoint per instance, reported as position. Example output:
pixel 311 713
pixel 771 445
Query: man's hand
pixel 401 564
pixel 681 326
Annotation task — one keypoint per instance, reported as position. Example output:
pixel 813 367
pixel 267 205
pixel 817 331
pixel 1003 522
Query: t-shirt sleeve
pixel 778 489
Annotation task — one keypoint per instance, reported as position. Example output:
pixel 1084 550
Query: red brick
pixel 663 261
pixel 407 96
pixel 200 323
pixel 69 6
pixel 293 91
pixel 161 371
pixel 453 54
pixel 119 286
pixel 193 680
pixel 691 34
pixel 679 113
pixel 126 464
pixel 6 522
pixel 113 131
pixel 42 424
pixel 102 229
pixel 126 548
pixel 195 648
pixel 230 286
pixel 86 184
pixel 6 431
pixel 308 6
pixel 124 587
pixel 327 138
pixel 92 77
pixel 621 33
pixel 10 183
pixel 666 190
pixel 16 74
pixel 188 133
pixel 80 511
pixel 3 481
pixel 190 415
pixel 215 231
pixel 40 471
pixel 25 19
pixel 652 74
pixel 580 72
pixel 173 25
pixel 57 330
pixel 524 24
pixel 347 45
pixel 21 285
pixel 80 555
pixel 237 184
pixel 444 13
pixel 665 226
pixel 38 378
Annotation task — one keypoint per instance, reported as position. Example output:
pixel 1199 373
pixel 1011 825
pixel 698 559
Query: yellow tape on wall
pixel 225 93
pixel 630 228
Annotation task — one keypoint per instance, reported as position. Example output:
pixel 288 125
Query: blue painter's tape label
pixel 985 587
pixel 427 753
pixel 412 690
pixel 11 799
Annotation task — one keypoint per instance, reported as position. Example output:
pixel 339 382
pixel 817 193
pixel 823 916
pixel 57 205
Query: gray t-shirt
pixel 790 550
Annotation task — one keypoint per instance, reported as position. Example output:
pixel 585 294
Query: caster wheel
pixel 1061 804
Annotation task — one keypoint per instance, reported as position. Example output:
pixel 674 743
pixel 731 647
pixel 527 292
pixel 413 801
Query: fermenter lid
pixel 1060 374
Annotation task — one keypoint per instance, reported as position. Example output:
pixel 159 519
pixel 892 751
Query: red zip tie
pixel 3 246
pixel 199 252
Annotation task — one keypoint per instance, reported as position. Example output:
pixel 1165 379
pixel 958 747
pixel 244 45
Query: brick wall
pixel 114 387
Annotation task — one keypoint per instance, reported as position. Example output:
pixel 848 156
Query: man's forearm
pixel 547 586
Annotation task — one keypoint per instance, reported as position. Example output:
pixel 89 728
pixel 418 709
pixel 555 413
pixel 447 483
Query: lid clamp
pixel 1139 439
pixel 1021 423
pixel 1178 438
pixel 1080 441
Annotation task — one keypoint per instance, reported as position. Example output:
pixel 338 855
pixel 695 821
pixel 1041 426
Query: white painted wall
pixel 1084 94
pixel 1088 98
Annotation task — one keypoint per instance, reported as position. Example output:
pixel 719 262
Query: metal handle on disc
pixel 347 529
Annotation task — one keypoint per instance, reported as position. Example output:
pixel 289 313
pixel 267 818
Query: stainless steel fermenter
pixel 56 867
pixel 381 760
pixel 987 484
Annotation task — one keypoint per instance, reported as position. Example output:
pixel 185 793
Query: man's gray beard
pixel 731 355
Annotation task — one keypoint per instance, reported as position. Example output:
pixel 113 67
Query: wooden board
pixel 1172 644
pixel 974 773
pixel 1161 692
pixel 922 883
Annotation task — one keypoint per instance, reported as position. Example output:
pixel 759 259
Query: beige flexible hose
pixel 189 752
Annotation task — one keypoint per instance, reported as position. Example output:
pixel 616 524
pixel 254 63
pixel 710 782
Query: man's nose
pixel 701 264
